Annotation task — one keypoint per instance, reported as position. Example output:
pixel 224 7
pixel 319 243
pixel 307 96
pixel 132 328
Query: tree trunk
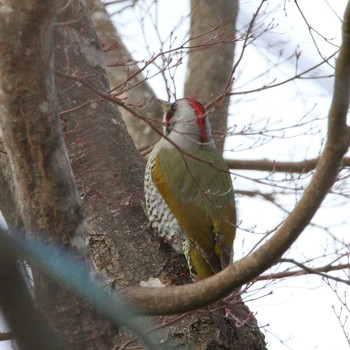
pixel 47 197
pixel 211 60
pixel 127 81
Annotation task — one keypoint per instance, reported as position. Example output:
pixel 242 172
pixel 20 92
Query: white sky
pixel 298 311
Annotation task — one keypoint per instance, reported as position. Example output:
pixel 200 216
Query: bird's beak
pixel 165 105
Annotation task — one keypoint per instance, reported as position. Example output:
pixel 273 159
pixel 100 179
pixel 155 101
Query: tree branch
pixel 304 166
pixel 6 336
pixel 305 270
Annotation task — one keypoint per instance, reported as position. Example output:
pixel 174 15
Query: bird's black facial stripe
pixel 171 112
pixel 173 108
pixel 169 115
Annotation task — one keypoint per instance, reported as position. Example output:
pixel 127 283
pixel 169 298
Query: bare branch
pixel 305 270
pixel 6 336
pixel 275 166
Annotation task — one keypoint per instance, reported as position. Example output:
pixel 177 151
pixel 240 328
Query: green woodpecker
pixel 188 190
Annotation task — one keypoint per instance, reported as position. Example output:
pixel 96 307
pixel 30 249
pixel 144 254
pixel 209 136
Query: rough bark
pixel 210 62
pixel 8 205
pixel 107 166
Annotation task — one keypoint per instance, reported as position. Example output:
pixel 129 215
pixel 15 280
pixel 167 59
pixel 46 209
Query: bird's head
pixel 186 120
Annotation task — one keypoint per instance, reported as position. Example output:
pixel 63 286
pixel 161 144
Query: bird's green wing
pixel 199 193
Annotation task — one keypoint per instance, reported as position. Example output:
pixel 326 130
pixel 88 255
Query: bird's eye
pixel 173 107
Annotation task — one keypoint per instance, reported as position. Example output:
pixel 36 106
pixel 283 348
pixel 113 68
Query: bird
pixel 189 197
